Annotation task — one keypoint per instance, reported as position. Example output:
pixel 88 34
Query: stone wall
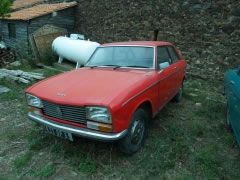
pixel 206 31
pixel 1 30
pixel 21 39
pixel 63 19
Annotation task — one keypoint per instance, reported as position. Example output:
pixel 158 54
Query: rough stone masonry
pixel 207 31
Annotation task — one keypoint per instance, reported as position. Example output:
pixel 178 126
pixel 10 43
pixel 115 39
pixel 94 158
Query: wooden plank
pixel 42 39
pixel 34 48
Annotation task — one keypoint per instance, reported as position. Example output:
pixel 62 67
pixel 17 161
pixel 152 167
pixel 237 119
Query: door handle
pixel 232 82
pixel 175 67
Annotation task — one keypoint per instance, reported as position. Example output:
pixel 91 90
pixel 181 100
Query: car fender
pixel 125 113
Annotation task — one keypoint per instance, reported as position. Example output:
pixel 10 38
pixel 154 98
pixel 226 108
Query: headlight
pixel 34 101
pixel 99 114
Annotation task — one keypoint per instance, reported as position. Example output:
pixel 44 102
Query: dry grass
pixel 185 141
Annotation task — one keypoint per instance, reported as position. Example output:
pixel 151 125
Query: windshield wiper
pixel 105 65
pixel 111 65
pixel 134 66
pixel 91 66
pixel 117 66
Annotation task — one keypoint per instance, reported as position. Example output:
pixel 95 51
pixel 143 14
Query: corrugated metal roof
pixel 17 4
pixel 39 10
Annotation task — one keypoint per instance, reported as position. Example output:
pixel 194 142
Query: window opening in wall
pixel 11 30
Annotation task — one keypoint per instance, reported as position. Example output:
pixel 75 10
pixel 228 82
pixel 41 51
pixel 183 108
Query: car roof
pixel 139 43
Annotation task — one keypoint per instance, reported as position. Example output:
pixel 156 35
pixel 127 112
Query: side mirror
pixel 163 65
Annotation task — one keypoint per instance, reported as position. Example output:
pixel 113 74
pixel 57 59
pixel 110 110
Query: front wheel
pixel 135 137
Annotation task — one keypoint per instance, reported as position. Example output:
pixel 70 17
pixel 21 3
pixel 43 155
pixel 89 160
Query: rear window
pixel 173 54
pixel 163 55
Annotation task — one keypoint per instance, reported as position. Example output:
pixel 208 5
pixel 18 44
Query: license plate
pixel 59 133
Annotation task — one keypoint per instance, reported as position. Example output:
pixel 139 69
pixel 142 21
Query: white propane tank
pixel 74 50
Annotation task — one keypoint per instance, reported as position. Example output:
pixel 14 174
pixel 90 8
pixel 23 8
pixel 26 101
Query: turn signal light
pixel 99 126
pixel 35 111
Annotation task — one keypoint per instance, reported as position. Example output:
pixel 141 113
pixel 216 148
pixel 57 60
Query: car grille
pixel 64 112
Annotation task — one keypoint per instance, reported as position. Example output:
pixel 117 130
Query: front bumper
pixel 87 133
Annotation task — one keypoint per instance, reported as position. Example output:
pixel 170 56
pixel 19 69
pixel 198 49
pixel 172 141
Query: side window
pixel 11 30
pixel 163 55
pixel 173 54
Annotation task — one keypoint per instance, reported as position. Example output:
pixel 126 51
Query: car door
pixel 178 66
pixel 232 90
pixel 166 76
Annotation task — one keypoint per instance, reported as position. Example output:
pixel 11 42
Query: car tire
pixel 136 134
pixel 178 97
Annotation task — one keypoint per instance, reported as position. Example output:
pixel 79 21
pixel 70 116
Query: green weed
pixel 23 160
pixel 40 142
pixel 45 171
pixel 87 166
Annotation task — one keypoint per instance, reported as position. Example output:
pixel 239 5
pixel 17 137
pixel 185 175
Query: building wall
pixel 0 30
pixel 21 34
pixel 206 31
pixel 123 20
pixel 64 19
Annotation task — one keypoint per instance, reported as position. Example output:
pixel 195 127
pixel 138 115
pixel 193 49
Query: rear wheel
pixel 135 137
pixel 178 97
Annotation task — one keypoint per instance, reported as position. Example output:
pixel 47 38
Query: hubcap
pixel 137 131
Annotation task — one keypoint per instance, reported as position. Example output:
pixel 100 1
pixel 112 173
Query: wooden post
pixel 155 34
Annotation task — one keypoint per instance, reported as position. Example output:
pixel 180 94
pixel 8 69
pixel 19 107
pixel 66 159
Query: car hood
pixel 85 86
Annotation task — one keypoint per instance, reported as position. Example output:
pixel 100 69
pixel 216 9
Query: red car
pixel 122 87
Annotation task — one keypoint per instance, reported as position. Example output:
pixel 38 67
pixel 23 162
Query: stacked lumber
pixel 6 56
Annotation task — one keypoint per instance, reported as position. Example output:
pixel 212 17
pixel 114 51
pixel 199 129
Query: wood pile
pixel 20 76
pixel 6 56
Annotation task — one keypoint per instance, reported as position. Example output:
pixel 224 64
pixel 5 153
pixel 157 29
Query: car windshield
pixel 123 56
